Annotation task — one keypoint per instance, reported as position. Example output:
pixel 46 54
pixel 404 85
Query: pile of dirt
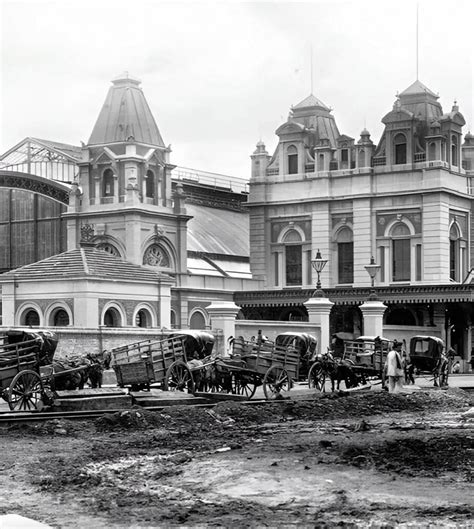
pixel 321 407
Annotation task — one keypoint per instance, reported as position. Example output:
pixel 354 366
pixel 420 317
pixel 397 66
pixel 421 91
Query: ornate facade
pixel 405 201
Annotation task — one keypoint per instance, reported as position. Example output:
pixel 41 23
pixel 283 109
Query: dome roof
pixel 310 102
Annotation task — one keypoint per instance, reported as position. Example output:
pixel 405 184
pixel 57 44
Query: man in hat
pixel 394 367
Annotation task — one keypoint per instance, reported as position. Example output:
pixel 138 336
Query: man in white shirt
pixel 394 367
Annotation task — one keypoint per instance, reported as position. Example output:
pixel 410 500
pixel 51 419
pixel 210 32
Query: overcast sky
pixel 219 76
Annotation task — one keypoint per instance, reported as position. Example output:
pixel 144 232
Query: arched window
pixel 173 319
pixel 321 162
pixel 293 258
pixel 150 184
pixel 143 318
pixel 108 183
pixel 292 154
pixel 454 150
pixel 345 256
pixel 197 321
pixel 60 318
pixel 361 158
pixel 432 151
pixel 112 318
pixel 401 262
pixel 454 237
pixel 400 148
pixel 156 255
pixel 109 248
pixel 31 318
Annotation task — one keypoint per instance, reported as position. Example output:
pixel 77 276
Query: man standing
pixel 395 367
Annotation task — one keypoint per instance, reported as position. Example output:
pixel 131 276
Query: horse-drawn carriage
pixel 358 362
pixel 29 374
pixel 428 356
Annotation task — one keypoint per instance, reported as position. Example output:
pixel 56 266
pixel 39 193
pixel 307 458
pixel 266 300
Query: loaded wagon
pixel 29 375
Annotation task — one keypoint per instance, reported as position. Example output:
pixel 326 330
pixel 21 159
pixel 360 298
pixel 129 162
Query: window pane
pixel 293 265
pixel 452 260
pixel 401 260
pixel 23 248
pixel 345 256
pixel 4 205
pixel 22 205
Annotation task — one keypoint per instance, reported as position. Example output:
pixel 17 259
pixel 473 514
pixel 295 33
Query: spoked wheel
pixel 244 385
pixel 443 375
pixel 276 382
pixel 317 377
pixel 179 378
pixel 25 391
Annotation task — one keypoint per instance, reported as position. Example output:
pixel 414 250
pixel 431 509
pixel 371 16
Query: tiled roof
pixel 311 101
pixel 417 88
pixel 84 262
pixel 124 115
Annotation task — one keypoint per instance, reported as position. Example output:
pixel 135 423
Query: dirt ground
pixel 361 460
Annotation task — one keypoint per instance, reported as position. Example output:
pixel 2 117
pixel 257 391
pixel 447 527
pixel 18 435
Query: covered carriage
pixel 428 356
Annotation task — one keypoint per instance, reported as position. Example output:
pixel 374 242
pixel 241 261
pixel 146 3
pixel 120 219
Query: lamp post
pixel 372 270
pixel 318 263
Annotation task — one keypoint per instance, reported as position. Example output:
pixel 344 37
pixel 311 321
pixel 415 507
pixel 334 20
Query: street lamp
pixel 318 263
pixel 372 270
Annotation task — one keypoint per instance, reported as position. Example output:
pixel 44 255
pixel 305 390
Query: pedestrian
pixel 456 367
pixel 394 367
pixel 472 362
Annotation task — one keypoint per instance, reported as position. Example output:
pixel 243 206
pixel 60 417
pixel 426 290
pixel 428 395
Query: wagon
pixel 254 364
pixel 360 361
pixel 27 370
pixel 303 342
pixel 428 356
pixel 155 361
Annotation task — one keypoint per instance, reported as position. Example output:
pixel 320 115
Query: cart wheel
pixel 244 385
pixel 25 391
pixel 276 382
pixel 179 378
pixel 317 377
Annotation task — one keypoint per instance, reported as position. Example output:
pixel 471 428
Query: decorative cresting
pixel 87 235
pixel 21 181
pixel 155 255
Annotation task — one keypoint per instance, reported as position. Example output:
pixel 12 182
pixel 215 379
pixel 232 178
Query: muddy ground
pixel 361 460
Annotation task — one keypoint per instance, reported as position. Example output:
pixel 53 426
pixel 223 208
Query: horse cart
pixel 428 357
pixel 29 376
pixel 273 365
pixel 162 361
pixel 359 362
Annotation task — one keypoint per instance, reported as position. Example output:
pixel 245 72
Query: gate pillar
pixel 318 314
pixel 372 313
pixel 223 314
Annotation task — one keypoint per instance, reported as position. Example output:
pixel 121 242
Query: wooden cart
pixel 360 361
pixel 428 357
pixel 141 364
pixel 253 364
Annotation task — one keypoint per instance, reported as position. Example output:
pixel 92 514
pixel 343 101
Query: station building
pixel 188 228
pixel 404 204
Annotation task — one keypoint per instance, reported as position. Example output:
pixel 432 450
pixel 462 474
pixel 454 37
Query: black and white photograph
pixel 236 264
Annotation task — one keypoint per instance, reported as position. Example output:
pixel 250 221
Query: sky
pixel 220 76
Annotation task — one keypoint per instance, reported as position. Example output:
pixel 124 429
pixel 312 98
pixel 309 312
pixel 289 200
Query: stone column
pixel 372 313
pixel 318 314
pixel 164 297
pixel 223 314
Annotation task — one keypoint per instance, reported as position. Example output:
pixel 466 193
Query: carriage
pixel 29 375
pixel 273 365
pixel 358 362
pixel 428 356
